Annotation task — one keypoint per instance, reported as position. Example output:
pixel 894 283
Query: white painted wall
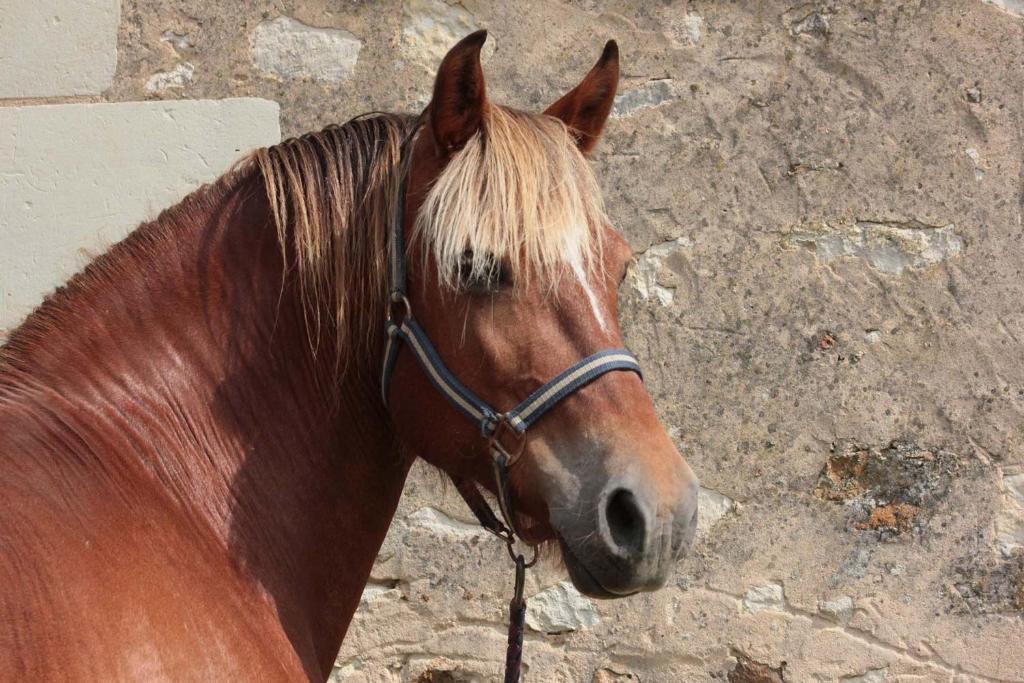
pixel 55 47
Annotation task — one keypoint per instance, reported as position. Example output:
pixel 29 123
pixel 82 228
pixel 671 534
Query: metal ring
pixel 503 532
pixel 510 546
pixel 397 298
pixel 494 440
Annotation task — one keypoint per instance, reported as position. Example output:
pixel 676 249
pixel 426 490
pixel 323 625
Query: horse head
pixel 513 272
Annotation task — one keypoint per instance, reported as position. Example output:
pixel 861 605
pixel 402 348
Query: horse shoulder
pixel 94 586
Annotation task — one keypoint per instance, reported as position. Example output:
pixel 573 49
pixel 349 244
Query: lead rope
pixel 516 622
pixel 517 606
pixel 501 459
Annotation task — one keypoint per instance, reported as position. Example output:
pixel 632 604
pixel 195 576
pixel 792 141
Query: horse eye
pixel 482 276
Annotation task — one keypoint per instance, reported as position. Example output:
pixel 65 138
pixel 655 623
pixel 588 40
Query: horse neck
pixel 201 376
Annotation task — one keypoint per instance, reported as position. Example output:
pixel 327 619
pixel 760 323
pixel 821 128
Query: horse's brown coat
pixel 196 472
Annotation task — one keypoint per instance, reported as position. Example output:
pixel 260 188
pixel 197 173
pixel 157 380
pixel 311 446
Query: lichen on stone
pixel 890 490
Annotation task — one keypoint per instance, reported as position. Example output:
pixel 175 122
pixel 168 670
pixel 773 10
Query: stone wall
pixel 825 203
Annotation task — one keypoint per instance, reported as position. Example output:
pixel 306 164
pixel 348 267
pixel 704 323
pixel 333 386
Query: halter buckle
pixel 498 439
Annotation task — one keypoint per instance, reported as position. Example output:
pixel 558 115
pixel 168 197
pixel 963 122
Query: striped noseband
pixel 505 431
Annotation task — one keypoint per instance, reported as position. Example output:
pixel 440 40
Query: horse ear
pixel 585 108
pixel 457 106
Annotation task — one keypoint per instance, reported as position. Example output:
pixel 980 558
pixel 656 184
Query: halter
pixel 505 431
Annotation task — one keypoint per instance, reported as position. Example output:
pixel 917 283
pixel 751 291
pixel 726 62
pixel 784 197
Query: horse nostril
pixel 626 522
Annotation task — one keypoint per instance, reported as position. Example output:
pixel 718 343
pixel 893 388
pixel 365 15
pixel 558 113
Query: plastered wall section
pixel 56 47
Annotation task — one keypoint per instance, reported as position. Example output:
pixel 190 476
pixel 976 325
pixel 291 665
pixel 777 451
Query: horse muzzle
pixel 631 536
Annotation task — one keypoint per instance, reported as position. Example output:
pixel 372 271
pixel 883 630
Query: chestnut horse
pixel 196 466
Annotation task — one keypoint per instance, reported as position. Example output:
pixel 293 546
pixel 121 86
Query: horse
pixel 197 467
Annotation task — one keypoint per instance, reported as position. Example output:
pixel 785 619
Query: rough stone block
pixel 839 609
pixel 1010 519
pixel 1011 6
pixel 288 49
pixel 712 507
pixel 559 609
pixel 77 178
pixel 431 27
pixel 766 597
pixel 888 246
pixel 175 79
pixel 647 96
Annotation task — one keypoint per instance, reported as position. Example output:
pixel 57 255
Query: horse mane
pixel 319 186
pixel 519 192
